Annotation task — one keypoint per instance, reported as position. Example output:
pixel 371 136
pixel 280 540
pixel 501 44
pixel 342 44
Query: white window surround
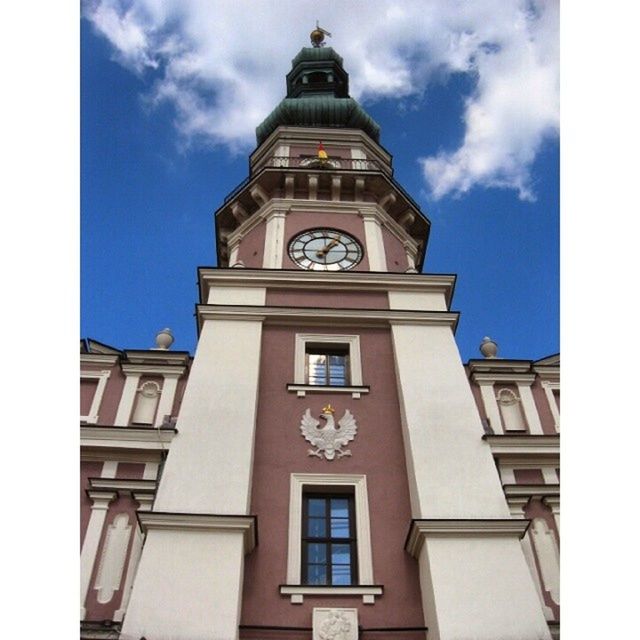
pixel 365 587
pixel 101 377
pixel 355 388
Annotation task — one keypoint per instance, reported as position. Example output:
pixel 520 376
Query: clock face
pixel 325 250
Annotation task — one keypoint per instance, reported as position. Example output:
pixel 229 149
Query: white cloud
pixel 222 65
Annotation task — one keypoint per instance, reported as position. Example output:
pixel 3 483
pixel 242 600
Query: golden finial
pixel 317 36
pixel 328 409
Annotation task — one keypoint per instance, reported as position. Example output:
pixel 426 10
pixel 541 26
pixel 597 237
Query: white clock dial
pixel 325 250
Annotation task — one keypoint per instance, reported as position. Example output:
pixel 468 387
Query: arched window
pixel 147 400
pixel 511 410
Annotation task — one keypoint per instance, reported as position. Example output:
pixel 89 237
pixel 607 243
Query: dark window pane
pixel 317 506
pixel 317 574
pixel 339 527
pixel 341 554
pixel 317 553
pixel 317 528
pixel 339 508
pixel 341 574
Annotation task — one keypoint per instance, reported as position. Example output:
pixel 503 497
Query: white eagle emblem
pixel 328 439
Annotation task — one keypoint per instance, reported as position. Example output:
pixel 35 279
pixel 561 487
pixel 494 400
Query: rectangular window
pixel 327 365
pixel 328 540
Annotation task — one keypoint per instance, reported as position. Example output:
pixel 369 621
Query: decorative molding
pixel 114 553
pixel 165 370
pixel 247 525
pixel 297 592
pixel 335 624
pixel 509 402
pixel 531 490
pixel 492 378
pixel 98 359
pixel 126 437
pixel 548 556
pixel 355 360
pixel 358 483
pixel 123 485
pixel 421 529
pixel 321 317
pixel 524 445
pixel 336 281
pixel 101 377
pixel 303 389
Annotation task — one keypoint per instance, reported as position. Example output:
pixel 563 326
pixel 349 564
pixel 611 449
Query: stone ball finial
pixel 488 348
pixel 164 339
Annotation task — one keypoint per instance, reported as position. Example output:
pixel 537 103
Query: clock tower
pixel 329 470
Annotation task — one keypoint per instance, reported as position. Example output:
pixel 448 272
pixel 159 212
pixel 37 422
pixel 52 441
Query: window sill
pixel 303 389
pixel 297 592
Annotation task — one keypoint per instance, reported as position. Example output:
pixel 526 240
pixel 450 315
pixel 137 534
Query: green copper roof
pixel 319 111
pixel 317 96
pixel 314 54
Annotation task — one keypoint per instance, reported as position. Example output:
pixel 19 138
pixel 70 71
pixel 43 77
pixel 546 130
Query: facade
pixel 324 466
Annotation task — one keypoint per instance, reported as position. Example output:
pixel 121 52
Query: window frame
pixel 331 349
pixel 351 342
pixel 329 540
pixel 330 483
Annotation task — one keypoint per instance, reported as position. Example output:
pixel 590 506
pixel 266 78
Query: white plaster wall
pixel 455 475
pixel 423 301
pixel 483 590
pixel 208 469
pixel 237 295
pixel 188 586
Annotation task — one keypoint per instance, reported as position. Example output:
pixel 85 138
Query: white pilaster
pixel 554 504
pixel 274 240
pixel 477 585
pixel 189 579
pixel 529 407
pixel 167 396
pixel 145 500
pixel 375 243
pixel 127 399
pixel 491 406
pixel 99 508
pixel 527 549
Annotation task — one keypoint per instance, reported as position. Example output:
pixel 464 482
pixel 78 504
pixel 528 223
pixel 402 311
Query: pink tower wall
pixel 378 452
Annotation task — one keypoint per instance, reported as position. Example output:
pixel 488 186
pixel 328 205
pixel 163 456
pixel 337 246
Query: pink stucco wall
pixel 251 248
pixel 377 452
pixel 395 252
pixel 528 476
pixel 544 411
pixel 328 299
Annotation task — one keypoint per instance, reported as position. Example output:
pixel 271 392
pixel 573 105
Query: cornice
pixel 156 357
pixel 421 529
pixel 154 369
pixel 124 485
pixel 491 377
pixel 247 525
pixel 126 437
pixel 524 445
pixel 98 359
pixel 335 281
pixel 496 365
pixel 531 490
pixel 321 316
pixel 547 373
pixel 350 590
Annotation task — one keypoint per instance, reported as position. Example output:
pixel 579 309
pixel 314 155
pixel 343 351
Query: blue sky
pixel 470 121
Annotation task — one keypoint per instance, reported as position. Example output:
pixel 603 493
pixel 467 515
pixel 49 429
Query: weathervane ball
pixel 317 35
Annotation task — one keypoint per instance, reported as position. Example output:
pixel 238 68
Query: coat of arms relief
pixel 328 439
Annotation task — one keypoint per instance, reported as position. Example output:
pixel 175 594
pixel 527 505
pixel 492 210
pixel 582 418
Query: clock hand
pixel 327 248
